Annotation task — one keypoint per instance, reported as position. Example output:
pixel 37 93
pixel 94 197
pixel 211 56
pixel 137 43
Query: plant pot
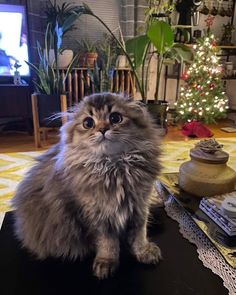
pixel 158 110
pixel 121 62
pixel 49 106
pixel 88 59
pixel 64 58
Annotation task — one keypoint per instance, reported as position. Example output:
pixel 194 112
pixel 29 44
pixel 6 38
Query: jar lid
pixel 219 157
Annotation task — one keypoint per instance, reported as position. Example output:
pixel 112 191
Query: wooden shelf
pixel 219 46
pixel 177 77
pixel 228 78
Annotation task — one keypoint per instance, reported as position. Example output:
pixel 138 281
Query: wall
pixel 113 13
pixel 88 26
pixel 36 25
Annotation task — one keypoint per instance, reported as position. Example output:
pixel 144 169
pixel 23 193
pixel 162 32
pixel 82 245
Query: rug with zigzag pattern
pixel 13 166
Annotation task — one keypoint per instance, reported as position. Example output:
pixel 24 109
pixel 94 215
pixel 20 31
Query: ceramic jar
pixel 207 174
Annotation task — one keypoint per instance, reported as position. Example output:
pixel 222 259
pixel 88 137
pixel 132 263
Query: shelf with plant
pixel 49 97
pixel 159 40
pixel 61 18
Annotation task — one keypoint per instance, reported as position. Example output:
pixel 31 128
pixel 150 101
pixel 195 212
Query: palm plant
pixel 64 16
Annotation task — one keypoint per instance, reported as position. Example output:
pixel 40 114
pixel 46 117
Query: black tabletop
pixel 180 272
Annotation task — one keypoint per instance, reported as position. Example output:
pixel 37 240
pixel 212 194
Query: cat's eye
pixel 115 118
pixel 88 123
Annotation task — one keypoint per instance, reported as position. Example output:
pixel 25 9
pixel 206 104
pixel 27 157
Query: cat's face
pixel 107 123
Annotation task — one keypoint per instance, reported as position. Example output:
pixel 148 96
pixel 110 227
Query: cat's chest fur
pixel 108 189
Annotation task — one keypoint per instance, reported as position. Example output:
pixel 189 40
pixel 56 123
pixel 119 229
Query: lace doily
pixel 207 253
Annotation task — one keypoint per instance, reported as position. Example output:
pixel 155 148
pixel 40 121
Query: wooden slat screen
pixel 78 84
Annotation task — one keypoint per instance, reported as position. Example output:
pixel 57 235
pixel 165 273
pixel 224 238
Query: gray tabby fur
pixel 89 190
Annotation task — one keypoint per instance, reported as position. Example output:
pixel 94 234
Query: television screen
pixel 13 40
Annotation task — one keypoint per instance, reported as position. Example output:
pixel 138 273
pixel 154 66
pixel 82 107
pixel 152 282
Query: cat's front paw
pixel 104 267
pixel 150 253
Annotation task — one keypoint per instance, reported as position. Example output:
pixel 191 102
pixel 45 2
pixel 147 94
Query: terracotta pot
pixel 88 59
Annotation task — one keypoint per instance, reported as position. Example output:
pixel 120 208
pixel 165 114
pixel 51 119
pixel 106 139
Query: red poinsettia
pixel 196 129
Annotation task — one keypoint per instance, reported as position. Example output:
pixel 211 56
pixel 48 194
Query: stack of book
pixel 222 210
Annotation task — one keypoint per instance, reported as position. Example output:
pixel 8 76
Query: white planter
pixel 121 61
pixel 64 58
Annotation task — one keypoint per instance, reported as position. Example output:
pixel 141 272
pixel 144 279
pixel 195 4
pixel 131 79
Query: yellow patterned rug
pixel 13 166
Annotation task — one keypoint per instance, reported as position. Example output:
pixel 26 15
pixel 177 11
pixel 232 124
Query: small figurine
pixel 17 78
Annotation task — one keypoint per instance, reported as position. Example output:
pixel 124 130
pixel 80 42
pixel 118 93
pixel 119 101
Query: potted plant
pixel 88 53
pixel 159 40
pixel 62 16
pixel 49 97
pixel 102 73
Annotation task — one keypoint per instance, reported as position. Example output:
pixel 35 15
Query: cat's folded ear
pixel 138 113
pixel 136 105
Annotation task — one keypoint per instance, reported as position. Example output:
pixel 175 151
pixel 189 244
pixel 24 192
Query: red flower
pixel 196 129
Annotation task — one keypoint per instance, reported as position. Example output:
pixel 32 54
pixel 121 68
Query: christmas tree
pixel 202 98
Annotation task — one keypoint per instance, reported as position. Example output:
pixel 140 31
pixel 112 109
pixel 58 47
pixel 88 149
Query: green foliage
pixel 161 36
pixel 49 80
pixel 180 53
pixel 63 16
pixel 102 74
pixel 157 6
pixel 202 98
pixel 136 48
pixel 86 45
pixel 60 20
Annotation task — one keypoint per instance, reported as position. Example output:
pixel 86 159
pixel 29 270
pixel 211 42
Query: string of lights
pixel 202 97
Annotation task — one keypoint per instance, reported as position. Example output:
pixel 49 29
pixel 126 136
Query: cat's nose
pixel 103 130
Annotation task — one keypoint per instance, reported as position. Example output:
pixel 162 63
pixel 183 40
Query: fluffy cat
pixel 93 186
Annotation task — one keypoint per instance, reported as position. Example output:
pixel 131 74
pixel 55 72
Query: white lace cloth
pixel 207 253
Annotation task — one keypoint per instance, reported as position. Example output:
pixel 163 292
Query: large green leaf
pixel 135 47
pixel 183 52
pixel 161 35
pixel 69 22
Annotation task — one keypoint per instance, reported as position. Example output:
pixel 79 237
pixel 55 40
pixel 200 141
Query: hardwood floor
pixel 22 142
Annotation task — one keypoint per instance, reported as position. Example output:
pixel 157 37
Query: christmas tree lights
pixel 202 98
